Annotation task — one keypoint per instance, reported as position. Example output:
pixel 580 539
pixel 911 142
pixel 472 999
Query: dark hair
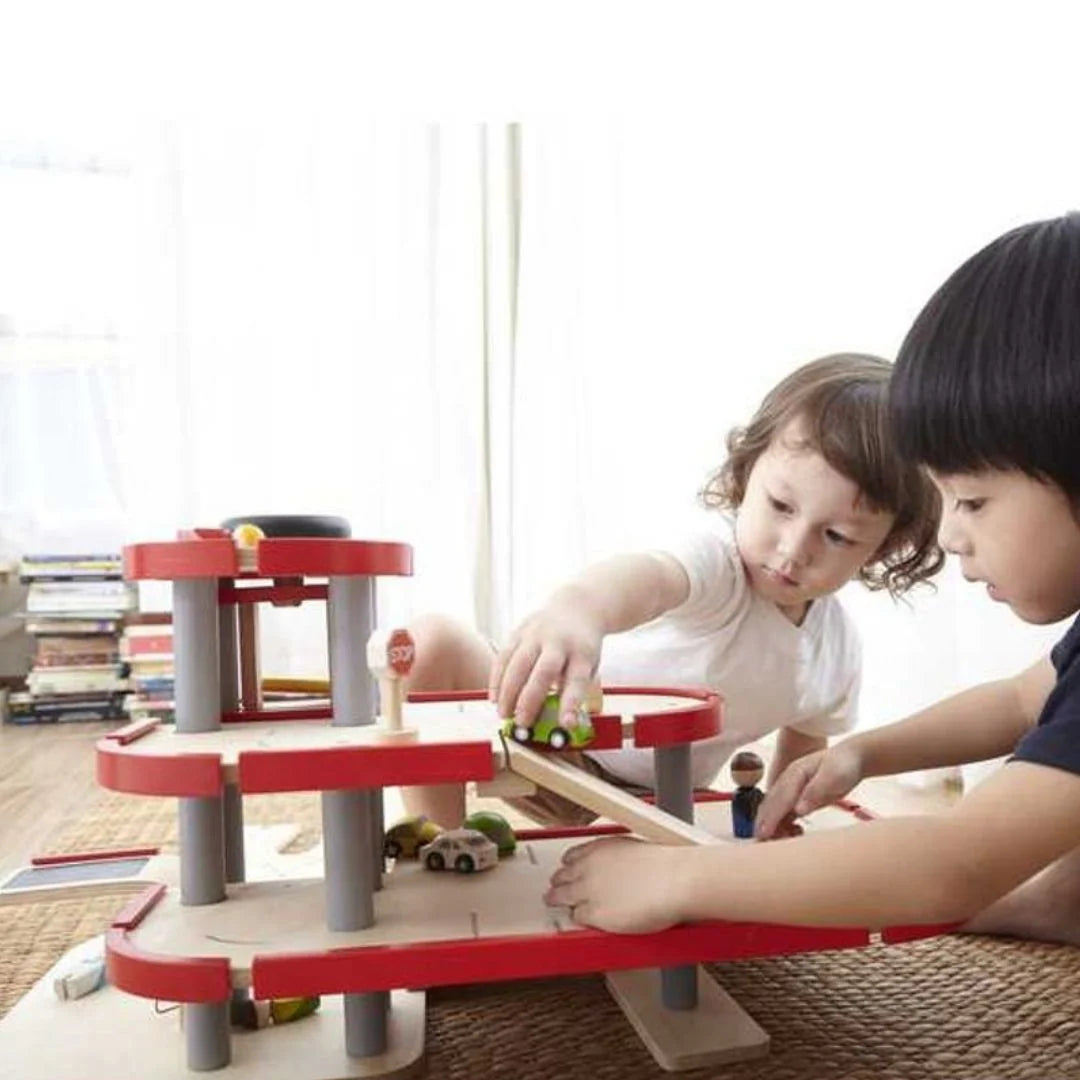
pixel 842 400
pixel 989 373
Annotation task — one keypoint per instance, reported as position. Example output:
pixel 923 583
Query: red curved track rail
pixel 700 718
pixel 123 766
pixel 425 964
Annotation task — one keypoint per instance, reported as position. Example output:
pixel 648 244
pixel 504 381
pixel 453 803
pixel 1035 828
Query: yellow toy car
pixel 404 838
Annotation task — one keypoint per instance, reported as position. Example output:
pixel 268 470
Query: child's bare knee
pixel 449 656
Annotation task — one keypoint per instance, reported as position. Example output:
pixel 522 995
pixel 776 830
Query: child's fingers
pixel 546 672
pixel 514 674
pixel 817 793
pixel 574 854
pixel 498 670
pixel 575 689
pixel 779 804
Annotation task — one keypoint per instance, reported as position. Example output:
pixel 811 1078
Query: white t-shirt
pixel 771 673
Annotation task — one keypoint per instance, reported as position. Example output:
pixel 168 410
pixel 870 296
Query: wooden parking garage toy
pixel 365 941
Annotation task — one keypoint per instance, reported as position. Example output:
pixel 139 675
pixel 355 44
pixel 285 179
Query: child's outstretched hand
pixel 557 646
pixel 805 785
pixel 621 885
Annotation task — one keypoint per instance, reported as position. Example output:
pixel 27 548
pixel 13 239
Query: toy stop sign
pixel 400 652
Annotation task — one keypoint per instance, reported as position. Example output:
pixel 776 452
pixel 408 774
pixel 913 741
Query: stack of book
pixel 75 608
pixel 147 650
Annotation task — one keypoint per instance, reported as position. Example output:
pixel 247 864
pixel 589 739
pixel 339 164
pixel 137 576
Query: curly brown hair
pixel 843 402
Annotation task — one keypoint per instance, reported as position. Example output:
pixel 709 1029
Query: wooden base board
pixel 110 1033
pixel 719 1030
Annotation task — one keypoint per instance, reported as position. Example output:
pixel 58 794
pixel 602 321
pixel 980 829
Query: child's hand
pixel 805 785
pixel 557 646
pixel 621 885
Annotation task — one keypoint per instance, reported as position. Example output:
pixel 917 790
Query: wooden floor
pixel 47 779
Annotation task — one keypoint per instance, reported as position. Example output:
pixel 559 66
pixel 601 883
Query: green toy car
pixel 547 731
pixel 496 828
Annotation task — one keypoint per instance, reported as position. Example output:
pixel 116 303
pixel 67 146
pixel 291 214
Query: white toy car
pixel 463 850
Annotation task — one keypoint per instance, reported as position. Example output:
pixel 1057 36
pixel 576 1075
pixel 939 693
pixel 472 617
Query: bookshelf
pixel 75 611
pixel 146 648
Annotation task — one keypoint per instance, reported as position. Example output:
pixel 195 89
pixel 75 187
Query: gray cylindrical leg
pixel 674 791
pixel 202 851
pixel 348 829
pixel 365 1023
pixel 229 657
pixel 378 827
pixel 350 613
pixel 206 1035
pixel 234 833
pixel 675 794
pixel 347 843
pixel 197 659
pixel 352 820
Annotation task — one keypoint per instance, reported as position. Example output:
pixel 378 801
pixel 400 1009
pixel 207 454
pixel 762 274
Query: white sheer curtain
pixel 671 273
pixel 517 348
pixel 263 317
pixel 320 324
pixel 66 275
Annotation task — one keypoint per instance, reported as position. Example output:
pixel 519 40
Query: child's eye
pixel 838 538
pixel 779 505
pixel 971 506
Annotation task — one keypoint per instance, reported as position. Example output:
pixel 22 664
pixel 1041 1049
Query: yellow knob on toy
pixel 247 535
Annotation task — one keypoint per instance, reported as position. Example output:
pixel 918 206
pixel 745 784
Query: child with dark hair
pixel 985 396
pixel 811 496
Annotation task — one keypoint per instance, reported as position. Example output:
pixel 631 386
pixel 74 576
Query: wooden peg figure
pixel 390 656
pixel 747 769
pixel 246 537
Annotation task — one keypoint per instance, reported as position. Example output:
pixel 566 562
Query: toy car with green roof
pixel 547 729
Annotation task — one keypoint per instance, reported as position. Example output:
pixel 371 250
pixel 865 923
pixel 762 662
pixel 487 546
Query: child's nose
pixel 794 546
pixel 951 535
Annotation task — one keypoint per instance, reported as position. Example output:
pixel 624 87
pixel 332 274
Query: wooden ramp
pixel 550 772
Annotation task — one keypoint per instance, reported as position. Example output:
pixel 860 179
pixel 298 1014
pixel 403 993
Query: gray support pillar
pixel 675 794
pixel 196 655
pixel 365 1023
pixel 202 851
pixel 350 613
pixel 229 682
pixel 229 644
pixel 352 853
pixel 378 827
pixel 198 709
pixel 206 1035
pixel 234 833
pixel 346 820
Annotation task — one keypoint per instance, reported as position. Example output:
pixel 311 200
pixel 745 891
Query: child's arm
pixel 984 722
pixel 790 746
pixel 560 643
pixel 931 869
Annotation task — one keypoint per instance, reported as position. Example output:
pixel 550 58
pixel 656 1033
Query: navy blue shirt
pixel 1056 739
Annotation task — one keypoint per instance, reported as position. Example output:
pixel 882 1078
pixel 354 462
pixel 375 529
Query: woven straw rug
pixel 952 1008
